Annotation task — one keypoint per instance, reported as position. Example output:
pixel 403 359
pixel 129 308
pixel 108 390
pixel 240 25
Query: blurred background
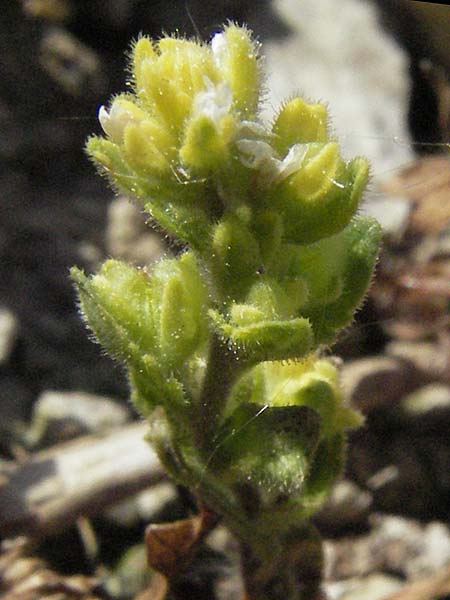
pixel 383 68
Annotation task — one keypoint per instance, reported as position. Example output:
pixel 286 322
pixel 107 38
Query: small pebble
pixel 8 333
pixel 65 415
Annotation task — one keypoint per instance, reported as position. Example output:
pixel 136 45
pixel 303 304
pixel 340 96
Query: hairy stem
pixel 294 573
pixel 221 372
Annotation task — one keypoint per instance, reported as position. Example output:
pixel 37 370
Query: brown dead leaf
pixel 412 287
pixel 24 577
pixel 427 184
pixel 170 546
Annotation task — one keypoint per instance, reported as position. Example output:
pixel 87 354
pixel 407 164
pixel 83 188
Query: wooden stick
pixel 53 488
pixel 48 493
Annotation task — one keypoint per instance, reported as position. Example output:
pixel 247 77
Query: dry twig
pixel 49 492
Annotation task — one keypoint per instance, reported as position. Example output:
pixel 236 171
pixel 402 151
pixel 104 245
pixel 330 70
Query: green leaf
pixel 117 306
pixel 267 340
pixel 179 303
pixel 310 382
pixel 110 161
pixel 359 245
pixel 148 384
pixel 267 228
pixel 320 198
pixel 269 449
pixel 326 468
pixel 235 257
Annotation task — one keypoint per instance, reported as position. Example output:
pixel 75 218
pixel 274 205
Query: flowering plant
pixel 222 344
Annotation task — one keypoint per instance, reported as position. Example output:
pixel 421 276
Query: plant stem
pixel 292 571
pixel 221 372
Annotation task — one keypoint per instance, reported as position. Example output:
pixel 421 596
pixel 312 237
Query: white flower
pixel 292 161
pixel 219 48
pixel 258 154
pixel 121 113
pixel 214 102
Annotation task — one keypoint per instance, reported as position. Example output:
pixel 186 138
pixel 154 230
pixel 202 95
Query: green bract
pixel 277 264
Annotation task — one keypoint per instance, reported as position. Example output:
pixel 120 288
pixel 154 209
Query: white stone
pixel 376 586
pixel 338 53
pixel 8 333
pixel 60 415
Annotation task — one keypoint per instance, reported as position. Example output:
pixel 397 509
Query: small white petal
pixel 292 161
pixel 103 117
pixel 258 150
pixel 252 128
pixel 219 48
pixel 214 102
pixel 259 155
pixel 114 122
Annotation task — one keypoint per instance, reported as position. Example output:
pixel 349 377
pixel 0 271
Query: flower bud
pixel 231 241
pixel 206 143
pixel 320 198
pixel 299 123
pixel 179 298
pixel 168 80
pixel 236 56
pixel 123 112
pixel 142 153
pixel 342 267
pixel 255 339
pixel 117 304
